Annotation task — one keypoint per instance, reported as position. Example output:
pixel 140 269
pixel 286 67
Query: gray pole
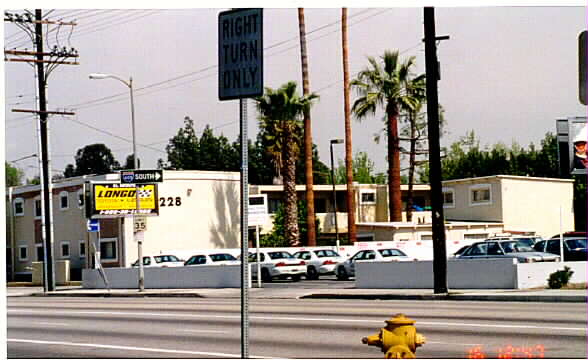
pixel 439 250
pixel 244 232
pixel 334 197
pixel 138 203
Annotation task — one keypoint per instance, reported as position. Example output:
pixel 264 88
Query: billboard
pixel 118 200
pixel 577 149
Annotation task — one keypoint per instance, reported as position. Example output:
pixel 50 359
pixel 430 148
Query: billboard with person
pixel 577 148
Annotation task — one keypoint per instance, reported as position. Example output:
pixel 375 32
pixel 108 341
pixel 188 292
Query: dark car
pixel 571 234
pixel 574 248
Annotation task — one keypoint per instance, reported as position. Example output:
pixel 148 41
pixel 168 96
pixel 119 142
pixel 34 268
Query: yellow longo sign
pixel 107 197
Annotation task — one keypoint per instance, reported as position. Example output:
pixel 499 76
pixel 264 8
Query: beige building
pixel 522 204
pixel 197 209
pixel 371 203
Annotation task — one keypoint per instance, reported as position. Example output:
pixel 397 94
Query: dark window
pixel 22 253
pixel 196 260
pixel 320 205
pixel 40 253
pixel 18 207
pixel 476 250
pixel 64 201
pixel 304 255
pixel 108 250
pixel 494 249
pixel 368 197
pixel 553 247
pixel 273 205
pixel 37 208
pixel 80 199
pixel 65 250
pixel 82 249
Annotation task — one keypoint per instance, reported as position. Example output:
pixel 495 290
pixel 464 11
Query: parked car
pixel 212 259
pixel 319 261
pixel 160 261
pixel 571 234
pixel 347 268
pixel 460 251
pixel 574 248
pixel 277 264
pixel 506 249
pixel 528 240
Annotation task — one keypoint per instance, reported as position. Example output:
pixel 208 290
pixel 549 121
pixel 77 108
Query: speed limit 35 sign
pixel 140 224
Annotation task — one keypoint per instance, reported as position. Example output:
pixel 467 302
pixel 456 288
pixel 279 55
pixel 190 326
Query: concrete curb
pixel 450 297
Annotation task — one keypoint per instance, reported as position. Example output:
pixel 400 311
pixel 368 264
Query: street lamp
pixel 335 141
pixel 129 84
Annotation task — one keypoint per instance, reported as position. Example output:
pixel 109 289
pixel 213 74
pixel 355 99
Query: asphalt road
pixel 50 327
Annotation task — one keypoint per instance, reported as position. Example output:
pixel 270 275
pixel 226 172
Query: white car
pixel 212 259
pixel 277 264
pixel 347 268
pixel 319 262
pixel 160 261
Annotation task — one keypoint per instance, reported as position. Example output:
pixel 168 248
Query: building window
pixel 273 205
pixel 480 195
pixel 63 200
pixel 40 252
pixel 426 237
pixel 19 207
pixel 108 249
pixel 82 249
pixel 478 236
pixel 38 208
pixel 320 205
pixel 80 198
pixel 23 253
pixel 65 249
pixel 368 197
pixel 448 198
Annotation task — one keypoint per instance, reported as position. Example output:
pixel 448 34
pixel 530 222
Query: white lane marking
pixel 281 318
pixel 206 331
pixel 132 348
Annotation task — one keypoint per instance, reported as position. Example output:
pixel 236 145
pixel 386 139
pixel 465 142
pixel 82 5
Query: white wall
pixel 187 277
pixel 462 274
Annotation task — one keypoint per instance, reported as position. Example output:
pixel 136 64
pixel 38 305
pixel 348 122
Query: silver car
pixel 506 249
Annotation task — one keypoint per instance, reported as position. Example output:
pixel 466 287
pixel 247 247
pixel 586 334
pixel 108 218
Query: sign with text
pixel 93 225
pixel 257 214
pixel 118 200
pixel 141 176
pixel 240 53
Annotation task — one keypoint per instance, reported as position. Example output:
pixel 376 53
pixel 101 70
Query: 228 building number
pixel 170 201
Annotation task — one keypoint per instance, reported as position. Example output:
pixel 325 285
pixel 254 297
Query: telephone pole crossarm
pixel 43 112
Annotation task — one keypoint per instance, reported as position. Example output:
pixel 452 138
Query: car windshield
pixel 222 257
pixel 280 255
pixel 391 252
pixel 326 253
pixel 527 241
pixel 515 246
pixel 165 258
pixel 576 243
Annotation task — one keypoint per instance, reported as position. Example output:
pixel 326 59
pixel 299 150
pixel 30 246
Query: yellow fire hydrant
pixel 398 339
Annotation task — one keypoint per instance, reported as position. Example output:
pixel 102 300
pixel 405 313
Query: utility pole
pixel 432 73
pixel 43 67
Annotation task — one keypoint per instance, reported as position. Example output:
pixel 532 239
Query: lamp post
pixel 335 141
pixel 129 84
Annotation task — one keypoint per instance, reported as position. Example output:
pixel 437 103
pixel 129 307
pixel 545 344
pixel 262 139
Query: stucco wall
pixel 534 205
pixel 188 277
pixel 464 210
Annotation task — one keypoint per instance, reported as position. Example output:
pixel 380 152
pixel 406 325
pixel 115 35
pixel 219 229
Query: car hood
pixel 533 254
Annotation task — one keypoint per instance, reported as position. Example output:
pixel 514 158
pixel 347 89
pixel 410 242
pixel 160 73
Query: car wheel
pixel 341 273
pixel 312 274
pixel 265 275
pixel 295 278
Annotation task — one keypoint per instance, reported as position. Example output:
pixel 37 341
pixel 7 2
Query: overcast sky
pixel 507 73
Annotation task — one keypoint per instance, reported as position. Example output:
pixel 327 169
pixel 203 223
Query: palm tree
pixel 351 230
pixel 417 89
pixel 280 120
pixel 384 85
pixel 311 233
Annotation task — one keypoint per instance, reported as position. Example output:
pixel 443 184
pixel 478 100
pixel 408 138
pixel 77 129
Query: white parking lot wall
pixel 188 277
pixel 462 274
pixel 536 274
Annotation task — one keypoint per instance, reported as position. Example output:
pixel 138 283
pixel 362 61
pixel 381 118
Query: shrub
pixel 560 278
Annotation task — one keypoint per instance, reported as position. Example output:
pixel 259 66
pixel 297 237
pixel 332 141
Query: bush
pixel 560 278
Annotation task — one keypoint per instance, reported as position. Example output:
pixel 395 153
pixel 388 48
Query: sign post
pixel 240 60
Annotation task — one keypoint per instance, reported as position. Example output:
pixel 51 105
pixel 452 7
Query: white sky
pixel 506 72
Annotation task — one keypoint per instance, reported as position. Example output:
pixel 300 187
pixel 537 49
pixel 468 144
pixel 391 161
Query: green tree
pixel 182 149
pixel 363 171
pixel 280 121
pixel 93 159
pixel 13 175
pixel 384 85
pixel 130 162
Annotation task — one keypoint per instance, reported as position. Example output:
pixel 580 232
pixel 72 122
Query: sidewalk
pixel 533 295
